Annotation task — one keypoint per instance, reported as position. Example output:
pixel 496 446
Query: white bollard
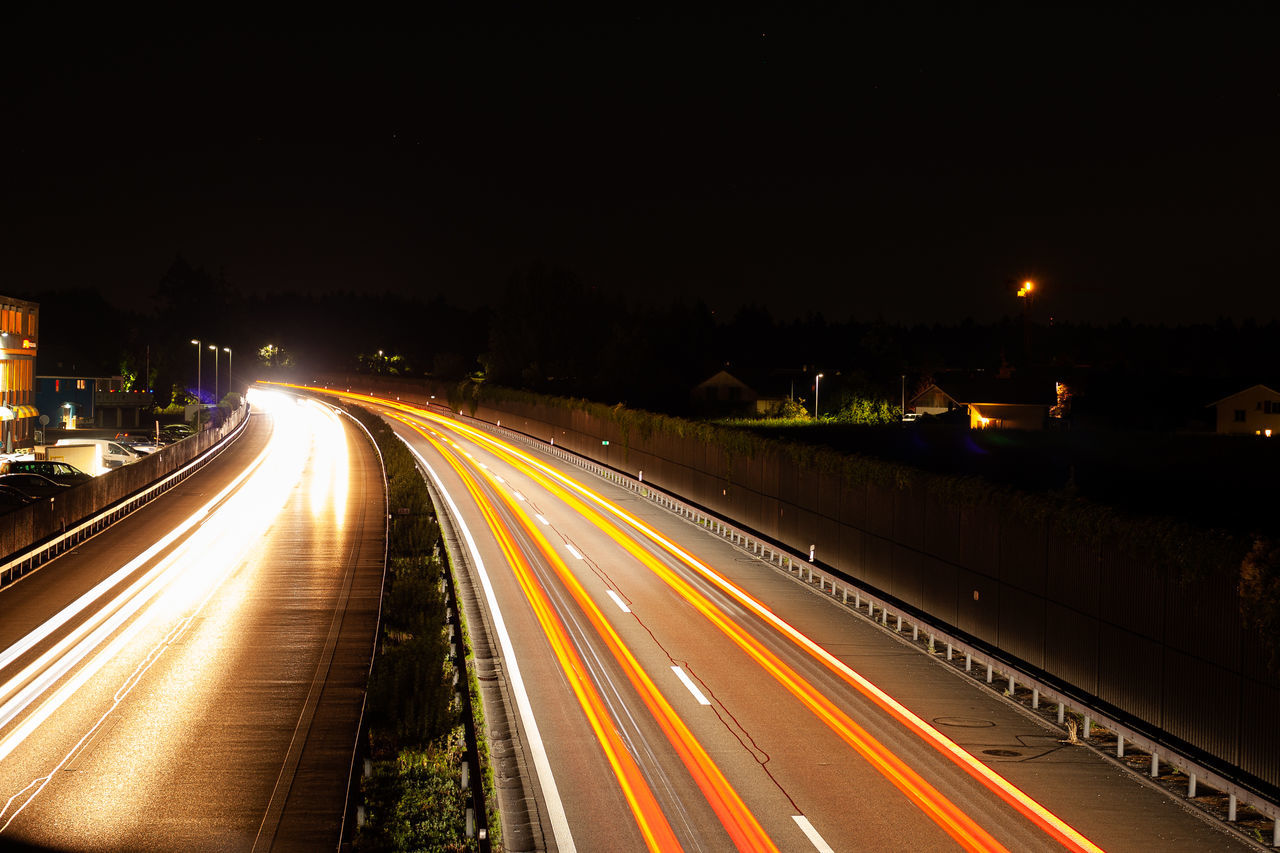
pixel 1231 808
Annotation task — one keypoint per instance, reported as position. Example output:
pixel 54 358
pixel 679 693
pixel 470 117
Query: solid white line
pixel 574 551
pixel 542 765
pixel 812 834
pixel 617 599
pixel 693 688
pixel 541 518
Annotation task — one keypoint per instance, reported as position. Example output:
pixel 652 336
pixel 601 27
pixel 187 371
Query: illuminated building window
pixel 80 384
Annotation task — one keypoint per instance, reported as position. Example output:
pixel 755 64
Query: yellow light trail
pixel 1071 838
pixel 932 802
pixel 737 819
pixel 648 815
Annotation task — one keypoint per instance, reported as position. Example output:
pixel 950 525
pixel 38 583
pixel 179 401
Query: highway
pixel 192 677
pixel 673 692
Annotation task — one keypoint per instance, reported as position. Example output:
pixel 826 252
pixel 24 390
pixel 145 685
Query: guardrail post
pixel 1035 698
pixel 948 651
pixel 1119 746
pixel 988 672
pixel 899 622
pixel 1088 726
pixel 1062 714
pixel 968 663
pixel 1013 687
pixel 915 633
pixel 1231 808
pixel 1191 786
pixel 1155 764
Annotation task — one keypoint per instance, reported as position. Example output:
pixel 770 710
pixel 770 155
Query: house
pixel 19 327
pixel 992 403
pixel 755 393
pixel 91 401
pixel 1253 411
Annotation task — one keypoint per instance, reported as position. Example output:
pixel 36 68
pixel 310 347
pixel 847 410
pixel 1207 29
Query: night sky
pixel 912 166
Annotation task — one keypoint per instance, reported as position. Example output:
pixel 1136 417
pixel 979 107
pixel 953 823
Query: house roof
pixel 1008 392
pixel 774 383
pixel 1243 391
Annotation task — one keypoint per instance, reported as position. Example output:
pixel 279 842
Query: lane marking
pixel 519 496
pixel 812 834
pixel 693 688
pixel 542 764
pixel 574 551
pixel 542 518
pixel 617 599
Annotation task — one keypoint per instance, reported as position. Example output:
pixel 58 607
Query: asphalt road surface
pixel 204 689
pixel 667 690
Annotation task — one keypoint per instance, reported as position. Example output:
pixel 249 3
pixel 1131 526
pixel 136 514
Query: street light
pixel 230 379
pixel 214 347
pixel 199 372
pixel 817 380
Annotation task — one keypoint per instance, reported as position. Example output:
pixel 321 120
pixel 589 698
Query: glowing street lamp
pixel 817 380
pixel 214 347
pixel 198 370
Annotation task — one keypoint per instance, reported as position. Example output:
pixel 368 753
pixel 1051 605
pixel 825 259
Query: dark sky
pixel 908 164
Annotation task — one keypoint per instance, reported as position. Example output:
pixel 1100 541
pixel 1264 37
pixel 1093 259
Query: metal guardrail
pixel 884 612
pixel 24 562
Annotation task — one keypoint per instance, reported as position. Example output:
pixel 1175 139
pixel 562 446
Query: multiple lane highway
pixel 192 678
pixel 674 692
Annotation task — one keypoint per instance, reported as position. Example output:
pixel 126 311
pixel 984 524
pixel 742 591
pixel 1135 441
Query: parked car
pixel 140 442
pixel 33 485
pixel 59 472
pixel 11 498
pixel 176 432
pixel 114 454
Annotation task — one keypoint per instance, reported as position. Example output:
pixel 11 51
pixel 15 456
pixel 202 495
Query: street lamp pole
pixel 214 347
pixel 231 381
pixel 199 400
pixel 817 381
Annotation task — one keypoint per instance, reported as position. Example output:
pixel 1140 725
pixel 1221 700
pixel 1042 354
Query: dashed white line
pixel 693 688
pixel 499 479
pixel 574 551
pixel 542 518
pixel 519 496
pixel 617 599
pixel 812 834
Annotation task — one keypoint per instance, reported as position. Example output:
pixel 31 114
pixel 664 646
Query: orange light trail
pixel 737 819
pixel 932 802
pixel 649 816
pixel 1040 816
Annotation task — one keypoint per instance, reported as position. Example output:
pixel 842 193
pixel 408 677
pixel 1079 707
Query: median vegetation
pixel 413 797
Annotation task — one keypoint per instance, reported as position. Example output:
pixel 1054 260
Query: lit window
pixel 80 384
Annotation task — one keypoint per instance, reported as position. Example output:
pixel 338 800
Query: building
pixel 19 330
pixel 742 393
pixel 1253 411
pixel 992 403
pixel 100 401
